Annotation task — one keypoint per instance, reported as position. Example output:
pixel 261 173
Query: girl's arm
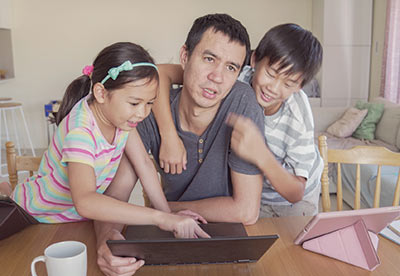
pixel 145 170
pixel 249 144
pixel 172 151
pixel 96 206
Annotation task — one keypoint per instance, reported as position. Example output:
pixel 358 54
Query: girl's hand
pixel 172 155
pixel 192 215
pixel 183 227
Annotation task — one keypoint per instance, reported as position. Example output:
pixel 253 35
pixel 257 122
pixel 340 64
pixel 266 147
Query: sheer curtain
pixel 390 88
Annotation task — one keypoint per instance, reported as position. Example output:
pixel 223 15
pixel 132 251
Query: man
pixel 217 184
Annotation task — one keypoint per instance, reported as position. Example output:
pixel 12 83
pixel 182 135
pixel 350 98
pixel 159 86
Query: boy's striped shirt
pixel 289 134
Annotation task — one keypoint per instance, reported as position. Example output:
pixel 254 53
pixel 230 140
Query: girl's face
pixel 124 108
pixel 273 87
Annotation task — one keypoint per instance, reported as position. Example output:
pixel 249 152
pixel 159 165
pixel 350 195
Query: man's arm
pixel 121 188
pixel 243 206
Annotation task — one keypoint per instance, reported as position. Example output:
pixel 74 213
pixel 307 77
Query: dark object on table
pixel 13 218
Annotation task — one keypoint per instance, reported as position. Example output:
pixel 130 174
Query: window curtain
pixel 390 87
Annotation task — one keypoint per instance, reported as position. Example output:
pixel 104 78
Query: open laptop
pixel 229 243
pixel 375 219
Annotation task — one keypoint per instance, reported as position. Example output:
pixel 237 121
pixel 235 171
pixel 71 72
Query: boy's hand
pixel 115 266
pixel 172 155
pixel 246 140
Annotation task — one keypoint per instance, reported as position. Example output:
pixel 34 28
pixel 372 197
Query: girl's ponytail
pixel 78 89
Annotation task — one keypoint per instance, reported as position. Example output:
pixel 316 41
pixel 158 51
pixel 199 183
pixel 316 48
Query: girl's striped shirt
pixel 78 138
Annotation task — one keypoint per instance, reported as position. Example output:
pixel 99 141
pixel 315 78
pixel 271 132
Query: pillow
pixel 366 130
pixel 346 125
pixel 387 128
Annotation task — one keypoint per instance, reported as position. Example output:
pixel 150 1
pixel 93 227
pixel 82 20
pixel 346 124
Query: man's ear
pixel 253 59
pixel 99 92
pixel 183 56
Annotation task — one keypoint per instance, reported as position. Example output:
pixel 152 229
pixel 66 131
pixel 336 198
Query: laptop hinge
pixel 244 261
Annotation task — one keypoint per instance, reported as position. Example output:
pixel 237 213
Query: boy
pixel 285 60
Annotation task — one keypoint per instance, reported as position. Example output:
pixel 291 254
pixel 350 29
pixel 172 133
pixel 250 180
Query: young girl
pixel 96 126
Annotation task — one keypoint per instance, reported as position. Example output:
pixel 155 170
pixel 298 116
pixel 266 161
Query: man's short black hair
pixel 291 45
pixel 223 23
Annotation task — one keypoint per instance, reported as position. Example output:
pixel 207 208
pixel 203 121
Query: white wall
pixel 54 40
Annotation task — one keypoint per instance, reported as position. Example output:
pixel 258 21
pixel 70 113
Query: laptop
pixel 229 243
pixel 375 219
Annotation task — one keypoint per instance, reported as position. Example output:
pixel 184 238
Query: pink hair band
pixel 87 70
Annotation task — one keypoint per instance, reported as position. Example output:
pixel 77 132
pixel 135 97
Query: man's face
pixel 273 87
pixel 212 69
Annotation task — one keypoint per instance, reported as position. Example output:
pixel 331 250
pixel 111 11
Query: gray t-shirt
pixel 209 156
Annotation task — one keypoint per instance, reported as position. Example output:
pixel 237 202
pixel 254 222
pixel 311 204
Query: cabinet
pixel 344 28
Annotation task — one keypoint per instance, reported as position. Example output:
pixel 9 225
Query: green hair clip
pixel 126 66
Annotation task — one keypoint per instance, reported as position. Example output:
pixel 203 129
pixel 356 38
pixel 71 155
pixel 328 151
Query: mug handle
pixel 37 259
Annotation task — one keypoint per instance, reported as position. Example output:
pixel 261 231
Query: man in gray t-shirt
pixel 209 157
pixel 217 184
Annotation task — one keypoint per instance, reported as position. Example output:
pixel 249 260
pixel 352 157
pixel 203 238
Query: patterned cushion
pixel 345 126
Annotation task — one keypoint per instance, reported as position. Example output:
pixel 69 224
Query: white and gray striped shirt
pixel 289 134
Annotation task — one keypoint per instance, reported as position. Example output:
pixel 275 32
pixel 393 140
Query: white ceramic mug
pixel 63 259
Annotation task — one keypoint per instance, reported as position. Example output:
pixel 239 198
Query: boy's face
pixel 273 87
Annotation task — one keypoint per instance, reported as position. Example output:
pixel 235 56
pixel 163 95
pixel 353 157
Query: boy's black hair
pixel 291 45
pixel 223 23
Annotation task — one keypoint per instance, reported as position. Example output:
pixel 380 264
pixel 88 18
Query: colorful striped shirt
pixel 289 134
pixel 78 138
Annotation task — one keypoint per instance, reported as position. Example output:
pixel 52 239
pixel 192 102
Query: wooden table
pixel 284 258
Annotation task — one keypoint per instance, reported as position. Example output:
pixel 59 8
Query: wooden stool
pixel 12 107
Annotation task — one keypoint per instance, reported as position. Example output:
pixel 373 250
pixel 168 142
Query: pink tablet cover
pixel 375 219
pixel 352 244
pixel 349 236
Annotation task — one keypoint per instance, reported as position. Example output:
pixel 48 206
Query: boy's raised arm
pixel 172 151
pixel 248 143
